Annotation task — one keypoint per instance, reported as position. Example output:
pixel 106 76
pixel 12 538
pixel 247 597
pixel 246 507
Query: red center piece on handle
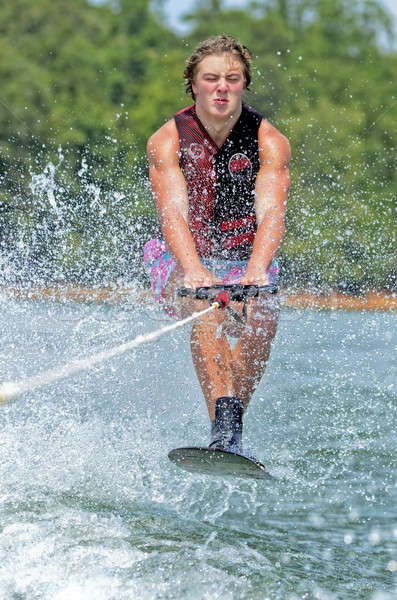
pixel 222 299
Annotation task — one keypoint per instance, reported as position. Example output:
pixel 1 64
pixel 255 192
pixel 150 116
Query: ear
pixel 194 88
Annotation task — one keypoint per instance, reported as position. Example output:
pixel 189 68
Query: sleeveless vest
pixel 221 184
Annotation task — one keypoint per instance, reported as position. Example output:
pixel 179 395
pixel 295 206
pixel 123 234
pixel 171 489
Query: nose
pixel 222 84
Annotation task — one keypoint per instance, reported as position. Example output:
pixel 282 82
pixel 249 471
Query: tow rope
pixel 219 297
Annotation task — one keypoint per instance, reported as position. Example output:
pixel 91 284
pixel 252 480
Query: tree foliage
pixel 90 83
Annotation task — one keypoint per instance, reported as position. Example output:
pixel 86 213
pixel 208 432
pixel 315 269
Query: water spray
pixel 219 296
pixel 12 390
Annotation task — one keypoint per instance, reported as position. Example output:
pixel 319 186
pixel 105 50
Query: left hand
pixel 255 277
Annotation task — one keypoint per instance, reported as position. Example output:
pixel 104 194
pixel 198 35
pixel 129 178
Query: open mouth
pixel 220 101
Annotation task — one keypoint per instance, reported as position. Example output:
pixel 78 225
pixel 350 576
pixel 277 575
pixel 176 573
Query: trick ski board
pixel 223 463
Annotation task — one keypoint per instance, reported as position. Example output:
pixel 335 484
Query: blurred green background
pixel 83 85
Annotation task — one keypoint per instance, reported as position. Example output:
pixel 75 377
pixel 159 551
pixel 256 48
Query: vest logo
pixel 196 151
pixel 240 165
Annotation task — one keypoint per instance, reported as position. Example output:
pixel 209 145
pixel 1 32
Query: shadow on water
pixel 92 508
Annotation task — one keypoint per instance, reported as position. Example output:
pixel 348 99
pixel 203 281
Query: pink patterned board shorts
pixel 159 264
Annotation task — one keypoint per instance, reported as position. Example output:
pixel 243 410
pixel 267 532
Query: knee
pixel 263 316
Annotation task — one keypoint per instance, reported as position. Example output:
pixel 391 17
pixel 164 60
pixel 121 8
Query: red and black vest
pixel 221 184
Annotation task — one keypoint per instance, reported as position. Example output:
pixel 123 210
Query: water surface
pixel 91 508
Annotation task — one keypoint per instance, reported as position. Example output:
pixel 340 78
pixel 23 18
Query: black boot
pixel 227 428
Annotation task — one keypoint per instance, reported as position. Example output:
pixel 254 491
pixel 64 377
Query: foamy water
pixel 90 506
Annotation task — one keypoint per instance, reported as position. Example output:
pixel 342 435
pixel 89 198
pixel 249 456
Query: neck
pixel 218 127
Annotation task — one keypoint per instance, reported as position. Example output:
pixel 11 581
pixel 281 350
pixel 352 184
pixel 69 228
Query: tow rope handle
pixel 234 292
pixel 222 300
pixel 218 299
pixel 221 294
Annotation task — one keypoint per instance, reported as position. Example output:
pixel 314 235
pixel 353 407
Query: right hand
pixel 200 277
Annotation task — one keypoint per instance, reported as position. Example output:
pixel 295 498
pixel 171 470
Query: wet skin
pixel 224 370
pixel 219 87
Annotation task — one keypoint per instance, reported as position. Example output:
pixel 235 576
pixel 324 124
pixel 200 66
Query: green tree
pixel 84 85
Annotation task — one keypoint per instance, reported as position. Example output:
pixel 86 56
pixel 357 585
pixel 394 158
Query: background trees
pixel 83 86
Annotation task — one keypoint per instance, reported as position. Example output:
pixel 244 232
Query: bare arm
pixel 271 194
pixel 170 194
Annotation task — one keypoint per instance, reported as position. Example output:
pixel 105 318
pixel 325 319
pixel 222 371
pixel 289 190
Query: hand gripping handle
pixel 236 292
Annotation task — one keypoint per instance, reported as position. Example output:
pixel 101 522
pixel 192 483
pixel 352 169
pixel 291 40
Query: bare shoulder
pixel 163 145
pixel 272 143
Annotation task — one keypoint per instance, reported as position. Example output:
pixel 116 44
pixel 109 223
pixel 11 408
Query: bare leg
pixel 220 370
pixel 252 350
pixel 211 353
pixel 212 359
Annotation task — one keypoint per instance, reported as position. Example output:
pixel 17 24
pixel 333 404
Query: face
pixel 219 85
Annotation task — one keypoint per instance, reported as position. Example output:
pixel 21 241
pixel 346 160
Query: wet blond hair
pixel 220 44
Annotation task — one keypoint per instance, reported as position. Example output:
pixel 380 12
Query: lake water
pixel 91 507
